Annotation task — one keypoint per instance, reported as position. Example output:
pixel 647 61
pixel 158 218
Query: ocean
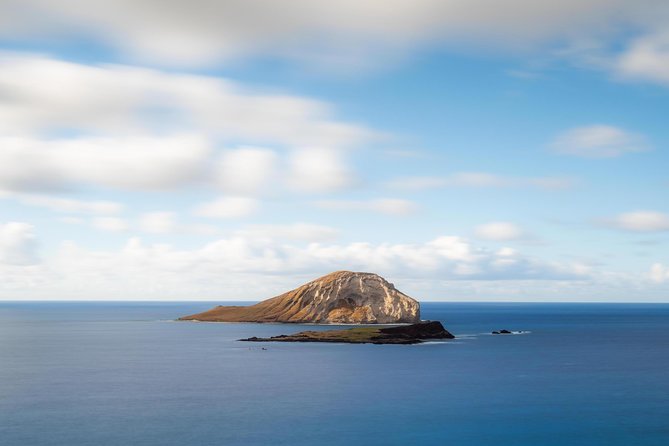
pixel 106 374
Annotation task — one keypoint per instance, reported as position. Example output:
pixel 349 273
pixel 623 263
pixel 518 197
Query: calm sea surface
pixel 104 374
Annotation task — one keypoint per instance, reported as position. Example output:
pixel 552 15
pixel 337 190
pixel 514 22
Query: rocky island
pixel 407 334
pixel 342 297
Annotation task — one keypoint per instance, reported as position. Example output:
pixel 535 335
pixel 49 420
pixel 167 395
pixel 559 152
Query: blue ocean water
pixel 123 374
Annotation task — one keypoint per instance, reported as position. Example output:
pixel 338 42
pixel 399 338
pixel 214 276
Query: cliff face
pixel 340 297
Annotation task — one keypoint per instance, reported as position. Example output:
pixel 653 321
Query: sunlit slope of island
pixel 342 297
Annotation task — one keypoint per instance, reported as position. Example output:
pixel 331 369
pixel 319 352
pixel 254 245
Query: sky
pixel 232 150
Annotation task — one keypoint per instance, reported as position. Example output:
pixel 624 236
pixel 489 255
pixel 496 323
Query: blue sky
pixel 231 150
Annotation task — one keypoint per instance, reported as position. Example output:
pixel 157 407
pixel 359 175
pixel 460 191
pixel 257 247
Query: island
pixel 341 297
pixel 406 334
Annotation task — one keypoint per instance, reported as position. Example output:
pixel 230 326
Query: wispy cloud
pixel 639 221
pixel 598 141
pixel 63 204
pixel 246 170
pixel 500 231
pixel 646 58
pixel 110 224
pixel 318 170
pixel 479 180
pixel 227 208
pixel 157 223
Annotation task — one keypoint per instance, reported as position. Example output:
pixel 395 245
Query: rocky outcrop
pixel 406 334
pixel 342 297
pixel 497 332
pixel 423 330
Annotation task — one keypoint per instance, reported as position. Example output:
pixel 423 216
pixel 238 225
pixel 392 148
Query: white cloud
pixel 120 162
pixel 641 221
pixel 247 170
pixel 347 35
pixel 347 32
pixel 319 170
pixel 479 180
pixel 646 58
pixel 41 94
pixel 242 265
pixel 17 244
pixel 659 273
pixel 227 208
pixel 598 141
pixel 145 129
pixel 388 206
pixel 499 231
pixel 158 222
pixel 110 224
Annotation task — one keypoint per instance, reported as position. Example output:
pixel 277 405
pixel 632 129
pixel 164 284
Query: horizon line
pixel 257 301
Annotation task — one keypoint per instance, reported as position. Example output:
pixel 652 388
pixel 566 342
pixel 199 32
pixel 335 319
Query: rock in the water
pixel 341 297
pixel 502 332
